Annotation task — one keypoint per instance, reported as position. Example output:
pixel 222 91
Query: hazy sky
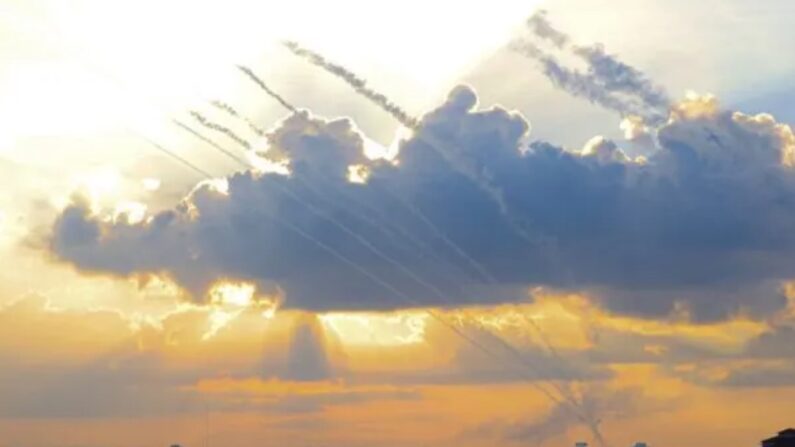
pixel 549 231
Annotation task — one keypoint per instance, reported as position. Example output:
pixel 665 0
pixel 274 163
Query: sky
pixel 348 223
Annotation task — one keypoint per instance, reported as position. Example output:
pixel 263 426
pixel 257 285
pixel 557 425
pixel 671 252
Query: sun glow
pixel 102 71
pixel 233 294
pixel 367 329
pixel 130 212
pixel 228 300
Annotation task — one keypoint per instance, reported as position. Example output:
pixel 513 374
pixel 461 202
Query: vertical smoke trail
pixel 607 81
pixel 250 73
pixel 358 84
pixel 219 128
pixel 228 109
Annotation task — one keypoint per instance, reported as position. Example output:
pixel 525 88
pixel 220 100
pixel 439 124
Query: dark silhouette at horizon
pixel 785 438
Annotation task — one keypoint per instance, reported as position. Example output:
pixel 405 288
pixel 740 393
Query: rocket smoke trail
pixel 607 81
pixel 619 76
pixel 576 83
pixel 228 109
pixel 219 128
pixel 541 27
pixel 359 84
pixel 220 105
pixel 268 90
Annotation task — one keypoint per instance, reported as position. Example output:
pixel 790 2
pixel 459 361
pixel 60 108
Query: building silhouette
pixel 785 438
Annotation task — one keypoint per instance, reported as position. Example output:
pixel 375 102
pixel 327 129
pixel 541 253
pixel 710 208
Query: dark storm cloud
pixel 707 221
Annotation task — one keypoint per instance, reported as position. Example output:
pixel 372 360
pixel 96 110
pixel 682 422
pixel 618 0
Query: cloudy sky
pixel 363 224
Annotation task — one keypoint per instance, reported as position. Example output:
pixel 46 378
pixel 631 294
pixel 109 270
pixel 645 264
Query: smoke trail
pixel 616 75
pixel 607 81
pixel 358 84
pixel 250 73
pixel 228 109
pixel 220 105
pixel 219 128
pixel 621 77
pixel 576 83
pixel 541 27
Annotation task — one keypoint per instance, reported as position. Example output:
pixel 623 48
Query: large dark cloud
pixel 707 220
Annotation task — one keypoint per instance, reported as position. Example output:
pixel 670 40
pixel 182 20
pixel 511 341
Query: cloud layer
pixel 707 221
